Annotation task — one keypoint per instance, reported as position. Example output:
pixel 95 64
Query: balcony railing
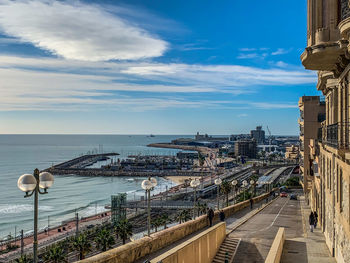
pixel 335 135
pixel 332 135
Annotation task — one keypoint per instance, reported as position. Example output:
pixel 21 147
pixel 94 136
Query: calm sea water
pixel 21 154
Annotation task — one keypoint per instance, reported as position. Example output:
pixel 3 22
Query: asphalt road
pixel 258 233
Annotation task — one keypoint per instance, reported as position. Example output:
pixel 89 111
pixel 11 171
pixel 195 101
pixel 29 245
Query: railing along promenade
pixel 140 248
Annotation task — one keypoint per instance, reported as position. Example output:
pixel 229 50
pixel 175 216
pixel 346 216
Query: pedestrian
pixel 316 218
pixel 222 215
pixel 251 203
pixel 210 216
pixel 312 221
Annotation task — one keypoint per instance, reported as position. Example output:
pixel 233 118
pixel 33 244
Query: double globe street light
pixel 194 184
pixel 244 184
pixel 31 184
pixel 234 183
pixel 148 185
pixel 218 182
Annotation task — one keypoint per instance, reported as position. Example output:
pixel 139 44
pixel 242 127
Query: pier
pixel 138 167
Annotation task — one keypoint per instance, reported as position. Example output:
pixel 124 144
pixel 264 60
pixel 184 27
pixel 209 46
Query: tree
pixel 165 219
pixel 183 216
pixel 82 244
pixel 201 208
pixel 24 259
pixel 55 254
pixel 123 229
pixel 104 240
pixel 157 222
pixel 225 188
pixel 255 178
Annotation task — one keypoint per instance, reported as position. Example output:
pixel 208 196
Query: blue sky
pixel 161 67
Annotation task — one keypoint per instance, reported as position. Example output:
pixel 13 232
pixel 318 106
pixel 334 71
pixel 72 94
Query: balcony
pixel 336 135
pixel 331 138
pixel 324 56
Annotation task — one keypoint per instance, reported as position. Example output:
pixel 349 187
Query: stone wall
pixel 200 249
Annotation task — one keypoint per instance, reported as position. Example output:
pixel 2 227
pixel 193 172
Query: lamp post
pixel 218 183
pixel 252 182
pixel 234 183
pixel 194 184
pixel 31 184
pixel 148 185
pixel 244 183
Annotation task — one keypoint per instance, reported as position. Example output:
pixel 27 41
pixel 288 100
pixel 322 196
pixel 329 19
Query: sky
pixel 160 66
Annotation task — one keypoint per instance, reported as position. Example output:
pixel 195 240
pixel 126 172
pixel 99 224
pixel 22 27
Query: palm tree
pixel 82 244
pixel 157 222
pixel 225 188
pixel 165 219
pixel 104 240
pixel 183 216
pixel 23 259
pixel 55 254
pixel 123 229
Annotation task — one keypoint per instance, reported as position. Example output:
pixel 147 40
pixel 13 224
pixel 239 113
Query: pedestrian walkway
pixel 309 248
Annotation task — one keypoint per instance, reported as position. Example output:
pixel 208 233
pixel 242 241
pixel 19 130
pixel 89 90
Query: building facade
pixel 292 153
pixel 246 148
pixel 327 51
pixel 312 113
pixel 258 134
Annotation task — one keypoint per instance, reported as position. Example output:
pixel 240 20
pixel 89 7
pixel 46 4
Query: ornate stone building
pixel 328 52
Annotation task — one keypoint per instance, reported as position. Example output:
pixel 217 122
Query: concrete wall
pixel 276 249
pixel 137 249
pixel 200 249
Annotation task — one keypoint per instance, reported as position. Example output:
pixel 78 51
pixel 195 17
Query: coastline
pixel 181 179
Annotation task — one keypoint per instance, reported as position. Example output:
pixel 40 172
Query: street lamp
pixel 234 183
pixel 218 183
pixel 252 182
pixel 244 183
pixel 31 184
pixel 194 184
pixel 148 185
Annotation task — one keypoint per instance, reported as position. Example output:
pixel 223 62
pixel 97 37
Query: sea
pixel 20 154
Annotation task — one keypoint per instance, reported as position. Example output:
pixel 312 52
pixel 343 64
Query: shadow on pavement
pixel 294 251
pixel 247 253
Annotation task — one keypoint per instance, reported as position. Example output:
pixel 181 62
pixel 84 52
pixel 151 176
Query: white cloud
pixel 280 51
pixel 59 84
pixel 247 55
pixel 74 30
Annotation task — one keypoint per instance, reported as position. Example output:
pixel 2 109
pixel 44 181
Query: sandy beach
pixel 181 179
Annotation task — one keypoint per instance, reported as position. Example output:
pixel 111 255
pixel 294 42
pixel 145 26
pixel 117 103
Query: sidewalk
pixel 309 248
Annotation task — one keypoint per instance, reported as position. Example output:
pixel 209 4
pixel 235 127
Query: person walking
pixel 312 221
pixel 316 219
pixel 251 203
pixel 222 215
pixel 210 216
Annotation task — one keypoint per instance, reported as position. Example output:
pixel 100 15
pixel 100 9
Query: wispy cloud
pixel 59 84
pixel 75 30
pixel 247 55
pixel 280 51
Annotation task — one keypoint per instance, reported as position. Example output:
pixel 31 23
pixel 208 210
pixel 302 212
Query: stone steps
pixel 227 250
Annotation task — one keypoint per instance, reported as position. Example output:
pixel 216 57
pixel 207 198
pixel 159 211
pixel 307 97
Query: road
pixel 258 233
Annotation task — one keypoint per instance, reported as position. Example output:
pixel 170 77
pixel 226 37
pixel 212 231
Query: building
pixel 292 153
pixel 258 135
pixel 312 113
pixel 246 148
pixel 327 51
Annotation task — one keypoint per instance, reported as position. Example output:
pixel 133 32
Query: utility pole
pixel 22 242
pixel 76 224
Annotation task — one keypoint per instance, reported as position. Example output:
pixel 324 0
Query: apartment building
pixel 327 52
pixel 312 113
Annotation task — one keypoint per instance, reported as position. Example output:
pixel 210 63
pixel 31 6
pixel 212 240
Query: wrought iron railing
pixel 332 135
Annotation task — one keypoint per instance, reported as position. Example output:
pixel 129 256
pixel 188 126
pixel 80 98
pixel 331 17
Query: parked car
pixel 283 194
pixel 293 197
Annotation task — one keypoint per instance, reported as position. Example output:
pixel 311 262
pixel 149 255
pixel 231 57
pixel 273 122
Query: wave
pixel 20 208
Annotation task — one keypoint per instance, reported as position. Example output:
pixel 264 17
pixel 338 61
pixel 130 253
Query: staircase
pixel 229 246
